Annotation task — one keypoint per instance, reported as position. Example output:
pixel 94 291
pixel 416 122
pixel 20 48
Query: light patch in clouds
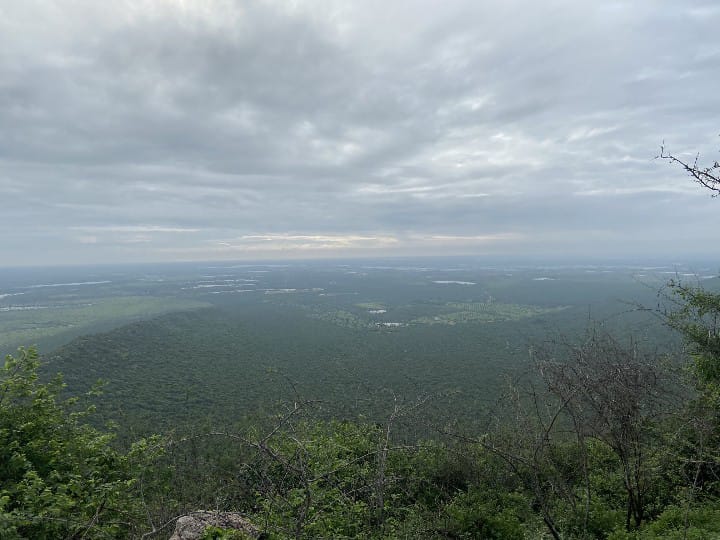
pixel 302 242
pixel 477 238
pixel 160 130
pixel 584 133
pixel 321 245
pixel 618 191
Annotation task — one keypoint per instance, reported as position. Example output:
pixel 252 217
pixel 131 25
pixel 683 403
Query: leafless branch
pixel 708 176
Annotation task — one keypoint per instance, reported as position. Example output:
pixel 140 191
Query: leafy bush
pixel 218 533
pixel 59 477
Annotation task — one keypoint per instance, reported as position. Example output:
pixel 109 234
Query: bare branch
pixel 708 176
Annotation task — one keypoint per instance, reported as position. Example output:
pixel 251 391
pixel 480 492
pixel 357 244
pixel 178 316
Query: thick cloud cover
pixel 218 129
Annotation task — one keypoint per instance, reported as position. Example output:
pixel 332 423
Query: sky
pixel 168 130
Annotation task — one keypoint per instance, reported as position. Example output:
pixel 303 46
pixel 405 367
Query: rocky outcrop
pixel 192 526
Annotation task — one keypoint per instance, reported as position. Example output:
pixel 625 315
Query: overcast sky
pixel 163 130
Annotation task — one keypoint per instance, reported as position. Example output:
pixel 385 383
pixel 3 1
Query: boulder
pixel 192 526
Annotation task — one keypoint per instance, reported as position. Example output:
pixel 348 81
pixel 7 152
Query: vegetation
pixel 588 447
pixel 484 312
pixel 60 318
pixel 59 477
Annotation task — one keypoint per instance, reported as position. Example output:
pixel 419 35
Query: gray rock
pixel 192 526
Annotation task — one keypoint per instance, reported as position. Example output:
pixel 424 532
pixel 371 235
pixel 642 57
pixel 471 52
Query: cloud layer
pixel 197 129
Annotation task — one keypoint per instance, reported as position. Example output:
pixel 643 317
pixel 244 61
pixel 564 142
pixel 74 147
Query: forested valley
pixel 445 401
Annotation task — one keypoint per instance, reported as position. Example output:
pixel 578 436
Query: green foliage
pixel 336 480
pixel 678 523
pixel 697 318
pixel 483 312
pixel 486 515
pixel 311 479
pixel 218 533
pixel 322 480
pixel 59 477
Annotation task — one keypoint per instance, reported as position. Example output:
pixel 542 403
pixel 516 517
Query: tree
pixel 695 313
pixel 693 310
pixel 615 394
pixel 59 477
pixel 588 406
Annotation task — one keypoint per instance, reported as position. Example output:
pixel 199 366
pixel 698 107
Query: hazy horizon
pixel 701 264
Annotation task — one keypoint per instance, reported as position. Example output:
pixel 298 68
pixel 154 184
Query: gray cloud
pixel 149 130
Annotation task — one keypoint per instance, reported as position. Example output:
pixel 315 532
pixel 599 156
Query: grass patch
pixel 371 305
pixel 483 312
pixel 28 326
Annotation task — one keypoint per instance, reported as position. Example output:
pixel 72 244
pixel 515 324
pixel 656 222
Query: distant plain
pixel 226 341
